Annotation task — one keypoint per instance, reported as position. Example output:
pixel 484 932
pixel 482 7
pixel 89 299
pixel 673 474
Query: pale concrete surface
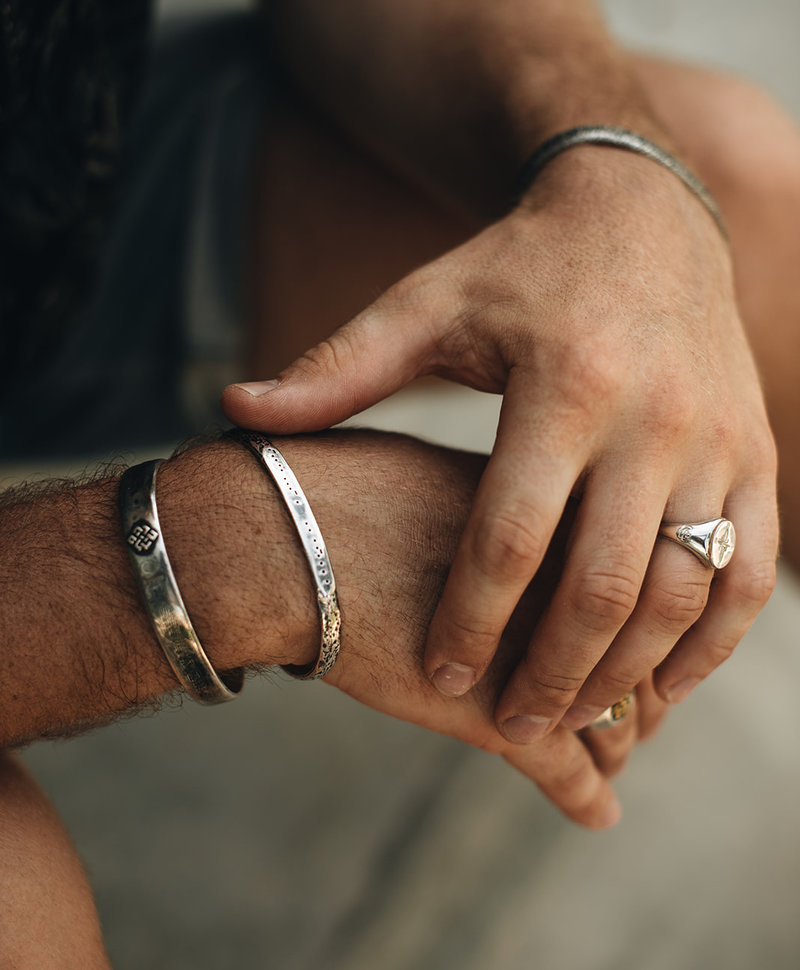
pixel 295 829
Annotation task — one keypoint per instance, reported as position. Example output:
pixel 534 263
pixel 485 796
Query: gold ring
pixel 614 714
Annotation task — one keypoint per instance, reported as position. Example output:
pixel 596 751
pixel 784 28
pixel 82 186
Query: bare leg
pixel 333 229
pixel 48 919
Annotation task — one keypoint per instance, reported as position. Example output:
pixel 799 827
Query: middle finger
pixel 612 541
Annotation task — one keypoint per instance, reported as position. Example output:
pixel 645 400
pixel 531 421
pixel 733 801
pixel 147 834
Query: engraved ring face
pixel 712 542
pixel 723 542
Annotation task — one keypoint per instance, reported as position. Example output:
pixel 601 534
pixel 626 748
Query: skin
pixel 38 866
pixel 48 919
pixel 395 511
pixel 603 307
pixel 391 507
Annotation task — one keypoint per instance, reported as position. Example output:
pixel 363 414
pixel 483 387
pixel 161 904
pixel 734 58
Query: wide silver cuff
pixel 162 598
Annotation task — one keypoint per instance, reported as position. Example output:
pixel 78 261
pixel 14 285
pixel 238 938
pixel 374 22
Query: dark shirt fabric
pixel 69 75
pixel 106 361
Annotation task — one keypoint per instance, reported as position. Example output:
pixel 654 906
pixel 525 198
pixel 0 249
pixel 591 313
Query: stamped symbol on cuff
pixel 141 537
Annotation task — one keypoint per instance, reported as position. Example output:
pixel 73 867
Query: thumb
pixel 366 360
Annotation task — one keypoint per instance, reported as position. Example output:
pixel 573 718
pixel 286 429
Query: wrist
pixel 534 95
pixel 239 563
pixel 613 191
pixel 237 559
pixel 621 140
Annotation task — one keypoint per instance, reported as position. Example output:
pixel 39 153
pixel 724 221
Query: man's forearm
pixel 457 93
pixel 76 646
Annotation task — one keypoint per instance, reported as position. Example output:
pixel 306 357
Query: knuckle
pixel 577 779
pixel 756 583
pixel 720 649
pixel 421 297
pixel 724 431
pixel 581 782
pixel 333 355
pixel 670 415
pixel 591 377
pixel 510 545
pixel 680 605
pixel 556 691
pixel 611 754
pixel 614 684
pixel 467 633
pixel 604 599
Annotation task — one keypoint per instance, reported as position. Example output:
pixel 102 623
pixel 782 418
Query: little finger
pixel 738 593
pixel 565 771
pixel 650 709
pixel 673 597
pixel 611 744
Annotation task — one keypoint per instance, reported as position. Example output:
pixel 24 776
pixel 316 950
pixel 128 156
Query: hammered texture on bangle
pixel 162 599
pixel 616 138
pixel 313 546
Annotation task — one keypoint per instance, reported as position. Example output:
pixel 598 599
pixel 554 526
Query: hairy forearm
pixel 76 645
pixel 457 93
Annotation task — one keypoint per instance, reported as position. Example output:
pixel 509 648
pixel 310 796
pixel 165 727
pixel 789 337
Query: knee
pixel 750 146
pixel 47 914
pixel 741 142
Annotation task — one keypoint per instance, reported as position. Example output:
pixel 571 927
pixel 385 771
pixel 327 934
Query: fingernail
pixel 257 388
pixel 453 680
pixel 680 691
pixel 611 814
pixel 578 717
pixel 524 728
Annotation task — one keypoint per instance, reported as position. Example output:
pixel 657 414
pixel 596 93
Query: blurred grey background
pixel 295 829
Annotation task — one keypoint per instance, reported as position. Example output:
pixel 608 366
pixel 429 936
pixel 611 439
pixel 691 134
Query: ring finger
pixel 611 746
pixel 673 597
pixel 737 595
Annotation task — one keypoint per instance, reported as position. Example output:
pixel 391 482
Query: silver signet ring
pixel 712 542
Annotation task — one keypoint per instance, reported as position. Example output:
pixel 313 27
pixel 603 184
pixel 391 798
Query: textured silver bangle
pixel 313 547
pixel 162 598
pixel 617 138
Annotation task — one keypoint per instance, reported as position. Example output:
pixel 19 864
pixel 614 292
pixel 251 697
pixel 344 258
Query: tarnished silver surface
pixel 163 601
pixel 618 138
pixel 313 546
pixel 712 542
pixel 614 714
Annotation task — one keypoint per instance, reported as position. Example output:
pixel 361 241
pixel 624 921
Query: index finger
pixel 565 772
pixel 540 451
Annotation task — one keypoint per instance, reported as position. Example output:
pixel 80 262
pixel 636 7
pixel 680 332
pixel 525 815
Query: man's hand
pixel 79 650
pixel 603 309
pixel 392 529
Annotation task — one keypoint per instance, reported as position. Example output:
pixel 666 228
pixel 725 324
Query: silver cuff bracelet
pixel 617 138
pixel 162 598
pixel 313 547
